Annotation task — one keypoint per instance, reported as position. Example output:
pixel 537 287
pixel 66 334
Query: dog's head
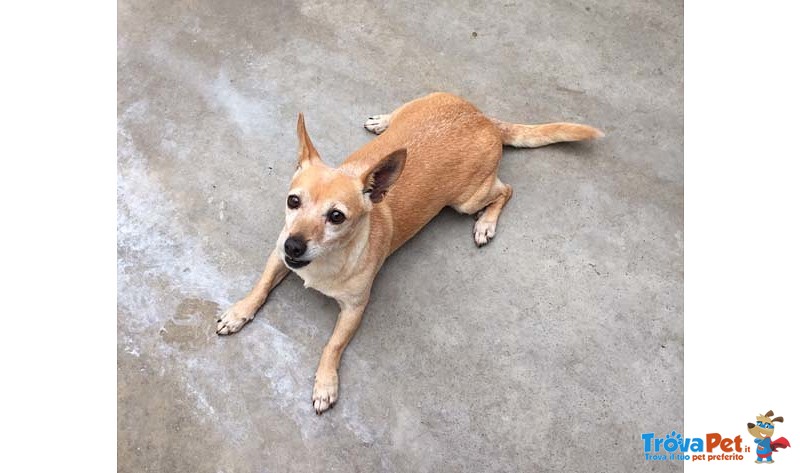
pixel 327 206
pixel 764 426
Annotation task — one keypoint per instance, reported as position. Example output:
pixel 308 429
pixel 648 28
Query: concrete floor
pixel 551 349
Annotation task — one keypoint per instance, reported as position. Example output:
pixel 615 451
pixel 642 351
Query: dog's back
pixel 453 151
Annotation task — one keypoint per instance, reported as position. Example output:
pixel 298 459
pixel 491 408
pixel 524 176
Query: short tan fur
pixel 342 223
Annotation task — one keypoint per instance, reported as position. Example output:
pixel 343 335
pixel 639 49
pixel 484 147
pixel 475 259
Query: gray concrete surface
pixel 551 349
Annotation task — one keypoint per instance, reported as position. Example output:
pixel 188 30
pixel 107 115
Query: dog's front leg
pixel 326 382
pixel 233 319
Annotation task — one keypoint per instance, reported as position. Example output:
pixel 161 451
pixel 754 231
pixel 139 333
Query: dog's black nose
pixel 294 247
pixel 750 425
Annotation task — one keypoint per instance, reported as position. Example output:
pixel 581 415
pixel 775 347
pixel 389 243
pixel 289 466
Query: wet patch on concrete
pixel 191 328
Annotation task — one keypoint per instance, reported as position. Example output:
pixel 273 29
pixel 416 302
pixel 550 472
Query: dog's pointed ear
pixel 778 419
pixel 306 153
pixel 378 179
pixel 768 414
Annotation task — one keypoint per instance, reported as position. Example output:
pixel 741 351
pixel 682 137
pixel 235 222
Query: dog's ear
pixel 378 179
pixel 306 153
pixel 778 419
pixel 768 414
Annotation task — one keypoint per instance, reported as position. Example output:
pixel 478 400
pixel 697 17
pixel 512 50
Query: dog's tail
pixel 533 136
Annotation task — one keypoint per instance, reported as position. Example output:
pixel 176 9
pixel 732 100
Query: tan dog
pixel 342 223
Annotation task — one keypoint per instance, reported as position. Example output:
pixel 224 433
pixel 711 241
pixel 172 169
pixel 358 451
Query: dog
pixel 342 223
pixel 762 431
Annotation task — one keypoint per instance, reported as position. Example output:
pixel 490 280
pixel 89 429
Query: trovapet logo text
pixel 712 447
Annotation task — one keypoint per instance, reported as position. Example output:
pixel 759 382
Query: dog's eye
pixel 293 202
pixel 336 217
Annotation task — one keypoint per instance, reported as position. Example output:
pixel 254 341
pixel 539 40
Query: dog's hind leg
pixel 378 123
pixel 488 202
pixel 486 225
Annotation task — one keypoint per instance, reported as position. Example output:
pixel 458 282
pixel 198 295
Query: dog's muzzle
pixel 294 247
pixel 294 263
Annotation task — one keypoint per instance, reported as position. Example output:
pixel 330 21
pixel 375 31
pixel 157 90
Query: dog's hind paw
pixel 377 123
pixel 232 320
pixel 326 391
pixel 484 231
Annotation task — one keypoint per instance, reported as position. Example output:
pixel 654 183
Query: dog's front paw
pixel 377 123
pixel 326 391
pixel 233 319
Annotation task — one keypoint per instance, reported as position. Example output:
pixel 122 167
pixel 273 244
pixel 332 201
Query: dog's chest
pixel 327 284
pixel 335 285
